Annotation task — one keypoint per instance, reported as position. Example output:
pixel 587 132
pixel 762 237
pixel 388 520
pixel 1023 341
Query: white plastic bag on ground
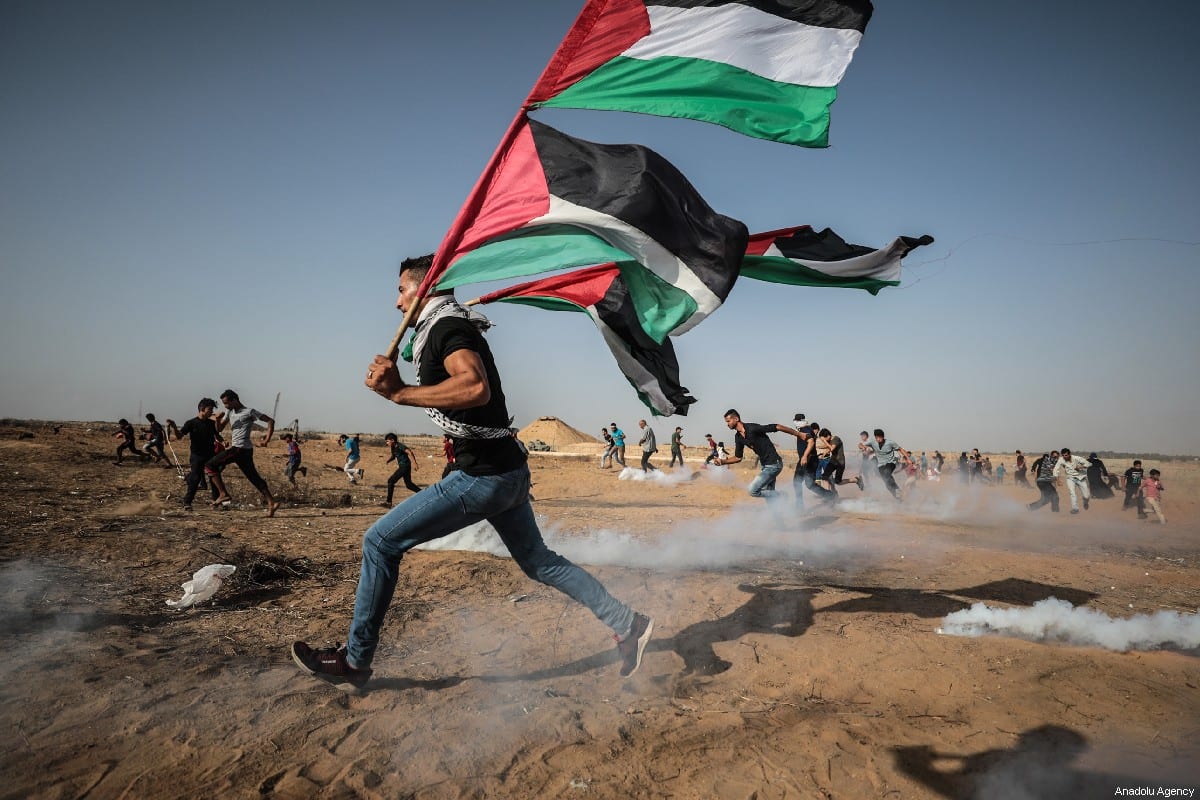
pixel 203 585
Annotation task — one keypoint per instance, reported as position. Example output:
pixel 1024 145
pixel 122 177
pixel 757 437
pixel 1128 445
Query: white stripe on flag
pixel 768 46
pixel 641 248
pixel 883 264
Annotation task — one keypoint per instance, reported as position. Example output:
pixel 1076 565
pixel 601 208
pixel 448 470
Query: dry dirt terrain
pixel 795 655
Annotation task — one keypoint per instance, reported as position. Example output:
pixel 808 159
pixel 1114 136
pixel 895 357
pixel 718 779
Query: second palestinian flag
pixel 764 68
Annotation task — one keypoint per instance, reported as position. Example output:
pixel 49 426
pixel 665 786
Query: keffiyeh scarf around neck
pixel 440 308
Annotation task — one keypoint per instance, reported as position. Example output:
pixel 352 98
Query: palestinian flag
pixel 804 257
pixel 553 202
pixel 650 366
pixel 764 68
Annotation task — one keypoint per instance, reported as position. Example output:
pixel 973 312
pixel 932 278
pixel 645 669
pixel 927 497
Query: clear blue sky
pixel 196 196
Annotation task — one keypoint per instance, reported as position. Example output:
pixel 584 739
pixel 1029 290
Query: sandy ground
pixel 795 656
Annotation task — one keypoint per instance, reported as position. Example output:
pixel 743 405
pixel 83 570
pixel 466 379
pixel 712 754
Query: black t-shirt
pixel 1133 477
pixel 400 453
pixel 203 433
pixel 473 456
pixel 807 435
pixel 756 439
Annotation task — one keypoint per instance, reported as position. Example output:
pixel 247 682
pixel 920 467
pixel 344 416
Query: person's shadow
pixel 933 603
pixel 1039 765
pixel 771 609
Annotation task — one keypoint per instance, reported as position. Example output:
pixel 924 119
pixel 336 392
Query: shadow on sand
pixel 1039 766
pixel 928 604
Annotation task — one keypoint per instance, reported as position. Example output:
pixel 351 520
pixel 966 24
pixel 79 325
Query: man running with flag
pixel 459 387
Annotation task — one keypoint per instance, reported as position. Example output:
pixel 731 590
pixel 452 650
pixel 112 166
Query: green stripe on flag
pixel 530 252
pixel 661 307
pixel 777 269
pixel 547 303
pixel 708 91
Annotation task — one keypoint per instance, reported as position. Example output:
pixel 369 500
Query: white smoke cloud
pixel 749 533
pixel 1058 621
pixel 661 476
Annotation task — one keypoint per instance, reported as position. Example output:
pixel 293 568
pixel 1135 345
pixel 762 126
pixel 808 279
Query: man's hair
pixel 1137 461
pixel 613 424
pixel 150 417
pixel 1154 473
pixel 391 437
pixel 1065 450
pixel 879 432
pixel 416 267
pixel 825 432
pixel 206 402
pixel 733 413
pixel 122 421
pixel 230 394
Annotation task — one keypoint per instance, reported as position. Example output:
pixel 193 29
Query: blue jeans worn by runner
pixel 447 506
pixel 807 476
pixel 763 484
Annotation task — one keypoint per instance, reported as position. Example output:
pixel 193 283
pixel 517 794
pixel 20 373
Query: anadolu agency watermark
pixel 1153 791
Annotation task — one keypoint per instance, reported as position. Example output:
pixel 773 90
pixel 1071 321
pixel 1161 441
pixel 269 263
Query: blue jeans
pixel 763 484
pixel 807 476
pixel 451 504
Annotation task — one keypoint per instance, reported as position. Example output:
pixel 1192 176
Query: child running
pixel 155 440
pixel 294 456
pixel 1151 489
pixel 406 462
pixel 128 441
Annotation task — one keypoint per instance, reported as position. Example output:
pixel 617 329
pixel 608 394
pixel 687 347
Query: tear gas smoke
pixel 750 533
pixel 665 477
pixel 1058 621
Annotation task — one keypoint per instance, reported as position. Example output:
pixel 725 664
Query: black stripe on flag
pixel 844 14
pixel 810 245
pixel 616 311
pixel 641 188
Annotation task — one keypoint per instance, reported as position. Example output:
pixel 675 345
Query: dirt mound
pixel 554 432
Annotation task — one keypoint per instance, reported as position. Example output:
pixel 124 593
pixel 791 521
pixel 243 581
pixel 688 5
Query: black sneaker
pixel 1085 504
pixel 330 666
pixel 632 646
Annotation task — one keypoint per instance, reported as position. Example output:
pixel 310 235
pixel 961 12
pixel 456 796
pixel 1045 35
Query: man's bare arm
pixel 467 386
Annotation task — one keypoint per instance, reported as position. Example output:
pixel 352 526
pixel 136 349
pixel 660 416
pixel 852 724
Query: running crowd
pixel 209 454
pixel 821 465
